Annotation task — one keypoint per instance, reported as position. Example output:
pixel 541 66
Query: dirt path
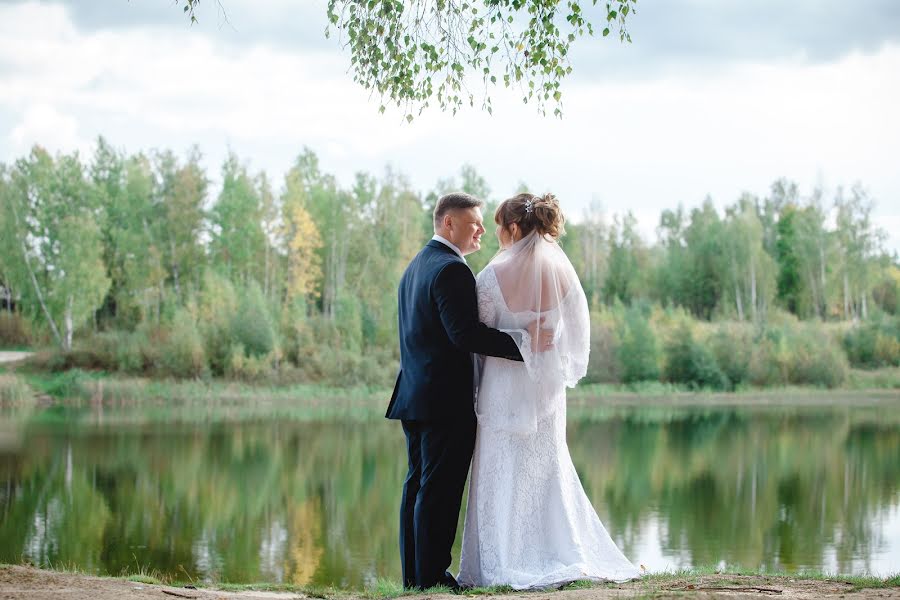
pixel 8 357
pixel 29 583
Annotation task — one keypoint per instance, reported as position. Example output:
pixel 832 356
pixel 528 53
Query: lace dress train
pixel 529 523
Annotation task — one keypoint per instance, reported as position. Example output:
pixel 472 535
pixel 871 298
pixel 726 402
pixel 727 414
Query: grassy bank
pixel 82 396
pixel 77 385
pixel 700 581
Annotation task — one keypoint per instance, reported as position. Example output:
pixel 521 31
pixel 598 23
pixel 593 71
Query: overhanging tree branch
pixel 412 53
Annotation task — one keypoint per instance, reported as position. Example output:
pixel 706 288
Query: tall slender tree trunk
pixel 266 269
pixel 69 325
pixel 175 277
pixel 330 279
pixel 846 296
pixel 822 282
pixel 737 289
pixel 160 298
pixel 34 282
pixel 341 270
pixel 813 290
pixel 753 301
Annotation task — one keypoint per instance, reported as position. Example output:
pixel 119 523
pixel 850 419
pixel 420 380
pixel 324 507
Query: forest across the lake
pixel 128 263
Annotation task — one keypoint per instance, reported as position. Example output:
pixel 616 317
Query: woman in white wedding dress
pixel 529 523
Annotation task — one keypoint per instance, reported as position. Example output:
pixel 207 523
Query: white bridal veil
pixel 534 281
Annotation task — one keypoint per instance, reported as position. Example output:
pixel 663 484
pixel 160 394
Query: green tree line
pixel 128 262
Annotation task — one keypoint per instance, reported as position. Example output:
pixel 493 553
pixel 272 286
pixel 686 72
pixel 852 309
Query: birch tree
pixel 306 186
pixel 813 251
pixel 748 267
pixel 627 260
pixel 183 216
pixel 422 52
pixel 237 237
pixel 59 241
pixel 857 242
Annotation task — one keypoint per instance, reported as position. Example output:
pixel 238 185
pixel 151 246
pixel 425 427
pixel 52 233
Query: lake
pixel 302 500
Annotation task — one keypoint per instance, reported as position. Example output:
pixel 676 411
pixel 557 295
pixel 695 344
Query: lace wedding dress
pixel 529 523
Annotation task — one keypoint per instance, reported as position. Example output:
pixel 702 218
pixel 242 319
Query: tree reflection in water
pixel 316 502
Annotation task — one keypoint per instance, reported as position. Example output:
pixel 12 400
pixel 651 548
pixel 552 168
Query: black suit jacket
pixel 439 331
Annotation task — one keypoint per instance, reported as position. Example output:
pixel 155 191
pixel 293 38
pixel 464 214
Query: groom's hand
pixel 541 338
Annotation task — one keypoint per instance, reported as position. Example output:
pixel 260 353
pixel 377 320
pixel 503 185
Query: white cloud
pixel 643 145
pixel 43 124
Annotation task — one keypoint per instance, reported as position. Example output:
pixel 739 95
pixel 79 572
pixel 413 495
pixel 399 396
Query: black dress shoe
pixel 449 581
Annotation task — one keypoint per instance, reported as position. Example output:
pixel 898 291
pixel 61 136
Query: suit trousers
pixel 439 454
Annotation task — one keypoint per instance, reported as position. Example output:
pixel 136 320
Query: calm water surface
pixel 285 499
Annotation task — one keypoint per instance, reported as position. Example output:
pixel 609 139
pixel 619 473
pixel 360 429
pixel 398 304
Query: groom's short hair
pixel 453 201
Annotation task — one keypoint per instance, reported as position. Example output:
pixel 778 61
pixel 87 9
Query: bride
pixel 529 523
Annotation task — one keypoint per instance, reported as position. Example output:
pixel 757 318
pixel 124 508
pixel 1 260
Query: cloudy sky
pixel 712 97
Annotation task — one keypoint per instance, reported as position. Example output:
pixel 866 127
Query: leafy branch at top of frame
pixel 417 52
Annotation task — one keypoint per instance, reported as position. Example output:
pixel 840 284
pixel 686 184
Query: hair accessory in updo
pixel 529 213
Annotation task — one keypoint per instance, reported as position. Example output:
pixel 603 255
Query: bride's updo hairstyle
pixel 530 212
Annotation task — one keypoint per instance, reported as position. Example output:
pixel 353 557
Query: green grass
pixel 884 378
pixel 14 390
pixel 137 400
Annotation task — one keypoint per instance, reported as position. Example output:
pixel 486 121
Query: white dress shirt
pixel 450 245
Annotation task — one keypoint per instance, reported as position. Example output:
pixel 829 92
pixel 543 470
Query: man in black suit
pixel 434 393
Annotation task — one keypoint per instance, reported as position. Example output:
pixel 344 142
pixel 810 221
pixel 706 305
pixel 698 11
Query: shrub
pixel 252 326
pixel 119 351
pixel 244 367
pixel 153 339
pixel 731 345
pixel 15 330
pixel 875 343
pixel 216 313
pixel 338 366
pixel 349 321
pixel 799 355
pixel 131 353
pixel 769 361
pixel 638 352
pixel 887 350
pixel 80 357
pixel 14 391
pixel 816 359
pixel 69 384
pixel 690 363
pixel 183 355
pixel 603 365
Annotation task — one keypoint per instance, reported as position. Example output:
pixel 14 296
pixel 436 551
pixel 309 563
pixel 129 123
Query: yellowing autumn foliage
pixel 304 263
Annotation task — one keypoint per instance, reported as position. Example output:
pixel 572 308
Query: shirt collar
pixel 450 245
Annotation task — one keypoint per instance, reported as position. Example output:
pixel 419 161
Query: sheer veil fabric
pixel 534 282
pixel 529 523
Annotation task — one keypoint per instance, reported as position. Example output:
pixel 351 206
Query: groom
pixel 434 393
